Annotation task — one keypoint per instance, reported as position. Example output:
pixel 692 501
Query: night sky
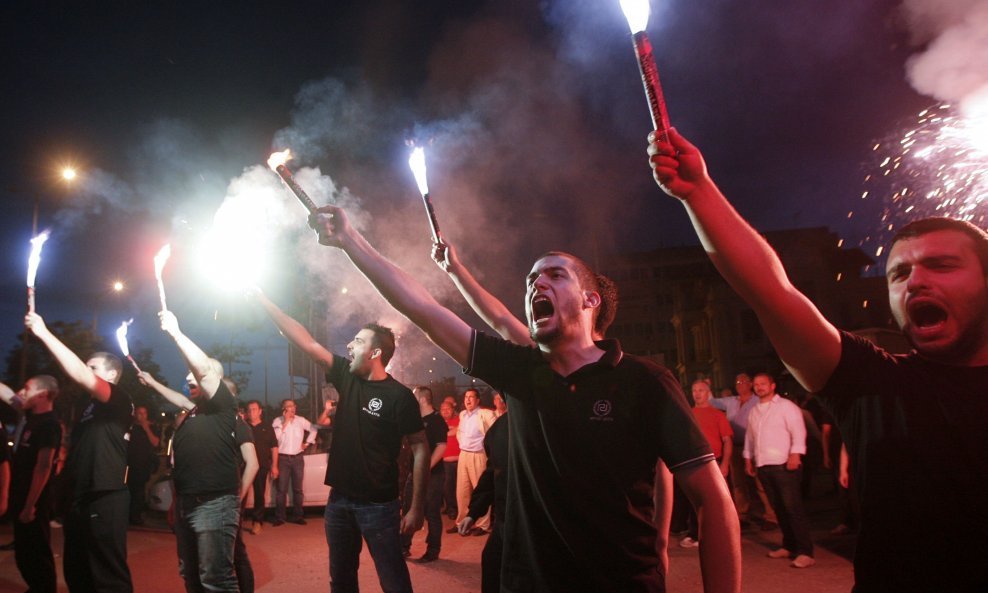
pixel 535 113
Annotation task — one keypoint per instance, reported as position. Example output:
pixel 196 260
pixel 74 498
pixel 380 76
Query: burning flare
pixel 279 158
pixel 122 341
pixel 34 260
pixel 159 266
pixel 636 11
pixel 417 163
pixel 277 163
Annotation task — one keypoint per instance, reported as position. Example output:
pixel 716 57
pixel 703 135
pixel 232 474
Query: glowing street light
pixel 69 173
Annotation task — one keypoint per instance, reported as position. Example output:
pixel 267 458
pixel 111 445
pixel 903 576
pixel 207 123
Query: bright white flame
pixel 122 336
pixel 160 259
pixel 279 158
pixel 417 163
pixel 636 11
pixel 34 260
pixel 236 249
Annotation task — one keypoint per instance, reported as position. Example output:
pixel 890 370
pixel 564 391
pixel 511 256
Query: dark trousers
pixel 242 565
pixel 449 487
pixel 32 551
pixel 782 487
pixel 137 483
pixel 433 510
pixel 260 481
pixel 96 543
pixel 290 467
pixel 490 559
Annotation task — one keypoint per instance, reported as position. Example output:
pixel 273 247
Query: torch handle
pixel 30 299
pixel 650 80
pixel 293 185
pixel 436 235
pixel 134 362
pixel 161 295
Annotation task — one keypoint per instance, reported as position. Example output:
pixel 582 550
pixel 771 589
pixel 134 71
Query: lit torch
pixel 33 261
pixel 277 163
pixel 636 11
pixel 159 266
pixel 417 164
pixel 122 341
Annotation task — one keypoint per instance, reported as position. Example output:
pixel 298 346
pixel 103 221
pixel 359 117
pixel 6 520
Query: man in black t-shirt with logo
pixel 96 471
pixel 374 412
pixel 435 434
pixel 32 470
pixel 207 477
pixel 588 425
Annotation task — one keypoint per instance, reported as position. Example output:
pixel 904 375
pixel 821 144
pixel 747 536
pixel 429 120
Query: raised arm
pixel 399 288
pixel 173 397
pixel 73 366
pixel 807 343
pixel 487 306
pixel 206 373
pixel 294 331
pixel 8 396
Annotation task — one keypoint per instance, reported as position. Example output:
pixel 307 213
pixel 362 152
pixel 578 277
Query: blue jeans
pixel 782 487
pixel 206 529
pixel 289 467
pixel 347 521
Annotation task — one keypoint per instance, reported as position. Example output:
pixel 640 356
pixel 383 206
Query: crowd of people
pixel 573 462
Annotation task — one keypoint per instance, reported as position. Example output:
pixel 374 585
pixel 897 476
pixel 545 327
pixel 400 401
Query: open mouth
pixel 542 309
pixel 927 315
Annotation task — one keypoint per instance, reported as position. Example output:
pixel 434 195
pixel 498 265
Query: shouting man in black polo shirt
pixel 373 414
pixel 208 481
pixel 96 471
pixel 587 426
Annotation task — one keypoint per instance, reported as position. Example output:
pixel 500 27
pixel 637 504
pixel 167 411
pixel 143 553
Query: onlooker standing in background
pixel 474 422
pixel 294 434
pixel 713 423
pixel 266 447
pixel 450 458
pixel 142 461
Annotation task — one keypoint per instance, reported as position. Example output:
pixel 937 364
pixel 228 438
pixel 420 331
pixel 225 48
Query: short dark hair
pixel 765 374
pixel 925 226
pixel 384 338
pixel 423 388
pixel 254 401
pixel 111 361
pixel 48 383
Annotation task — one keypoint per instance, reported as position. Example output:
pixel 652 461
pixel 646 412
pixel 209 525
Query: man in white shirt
pixel 290 430
pixel 474 422
pixel 774 443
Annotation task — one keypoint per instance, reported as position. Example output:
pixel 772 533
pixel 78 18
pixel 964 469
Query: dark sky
pixel 535 110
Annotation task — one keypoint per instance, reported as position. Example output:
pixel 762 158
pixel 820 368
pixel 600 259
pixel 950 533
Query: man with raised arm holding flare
pixel 587 426
pixel 915 424
pixel 373 413
pixel 208 482
pixel 96 471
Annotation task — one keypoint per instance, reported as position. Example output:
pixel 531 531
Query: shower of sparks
pixel 938 167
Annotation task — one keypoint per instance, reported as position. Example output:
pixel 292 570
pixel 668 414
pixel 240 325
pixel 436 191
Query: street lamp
pixel 116 287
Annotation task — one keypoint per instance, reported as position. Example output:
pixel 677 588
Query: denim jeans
pixel 206 529
pixel 289 467
pixel 782 487
pixel 347 521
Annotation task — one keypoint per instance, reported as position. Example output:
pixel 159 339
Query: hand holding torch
pixel 159 266
pixel 417 163
pixel 636 11
pixel 122 341
pixel 33 261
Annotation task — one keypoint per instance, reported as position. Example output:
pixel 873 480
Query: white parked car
pixel 315 491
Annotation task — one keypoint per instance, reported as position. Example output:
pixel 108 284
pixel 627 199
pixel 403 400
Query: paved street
pixel 293 559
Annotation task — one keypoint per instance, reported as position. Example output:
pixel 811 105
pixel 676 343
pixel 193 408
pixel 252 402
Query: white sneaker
pixel 780 553
pixel 688 542
pixel 803 561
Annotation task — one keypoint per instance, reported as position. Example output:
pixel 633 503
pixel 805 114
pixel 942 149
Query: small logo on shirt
pixel 374 406
pixel 602 410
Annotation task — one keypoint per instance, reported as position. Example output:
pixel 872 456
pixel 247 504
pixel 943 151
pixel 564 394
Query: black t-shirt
pixel 41 431
pixel 264 440
pixel 97 460
pixel 371 418
pixel 582 458
pixel 206 451
pixel 140 452
pixel 435 432
pixel 915 432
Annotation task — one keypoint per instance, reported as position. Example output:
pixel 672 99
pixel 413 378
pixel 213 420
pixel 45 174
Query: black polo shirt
pixel 97 460
pixel 40 431
pixel 436 432
pixel 916 433
pixel 582 457
pixel 206 451
pixel 264 440
pixel 371 418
